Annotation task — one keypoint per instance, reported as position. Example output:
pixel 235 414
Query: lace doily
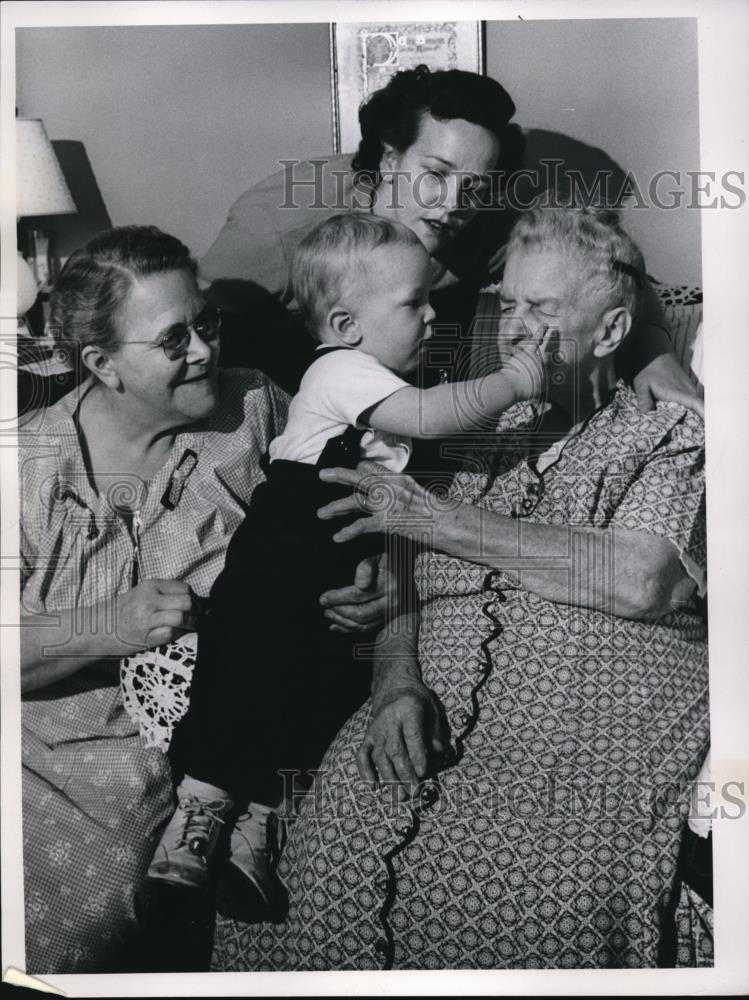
pixel 155 687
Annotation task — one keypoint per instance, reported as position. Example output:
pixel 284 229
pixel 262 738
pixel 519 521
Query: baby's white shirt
pixel 335 391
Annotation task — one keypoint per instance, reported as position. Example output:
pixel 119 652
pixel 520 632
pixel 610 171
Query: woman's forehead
pixel 533 271
pixel 461 144
pixel 155 300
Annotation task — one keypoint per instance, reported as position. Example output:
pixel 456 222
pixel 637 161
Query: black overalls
pixel 272 684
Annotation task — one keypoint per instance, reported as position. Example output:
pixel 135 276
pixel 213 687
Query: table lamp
pixel 40 190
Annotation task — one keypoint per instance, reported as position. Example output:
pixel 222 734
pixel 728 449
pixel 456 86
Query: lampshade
pixel 40 184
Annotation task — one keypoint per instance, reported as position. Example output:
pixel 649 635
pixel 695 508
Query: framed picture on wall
pixel 364 55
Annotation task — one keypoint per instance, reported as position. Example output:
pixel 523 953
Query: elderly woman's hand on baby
pixel 393 502
pixel 155 612
pixel 368 602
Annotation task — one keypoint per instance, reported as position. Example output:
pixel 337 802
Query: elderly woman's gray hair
pixel 609 263
pixel 93 285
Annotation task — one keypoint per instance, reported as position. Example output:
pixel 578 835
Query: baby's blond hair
pixel 325 259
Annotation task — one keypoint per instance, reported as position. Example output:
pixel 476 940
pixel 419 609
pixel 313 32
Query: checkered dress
pixel 94 795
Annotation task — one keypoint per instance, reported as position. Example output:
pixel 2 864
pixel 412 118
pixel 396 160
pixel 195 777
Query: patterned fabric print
pixel 694 931
pixel 333 868
pixel 95 796
pixel 565 812
pixel 625 469
pixel 679 295
pixel 94 801
pixel 78 547
pixel 554 840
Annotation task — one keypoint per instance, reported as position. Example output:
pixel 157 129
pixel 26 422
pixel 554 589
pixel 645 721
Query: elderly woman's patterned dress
pixel 95 796
pixel 551 839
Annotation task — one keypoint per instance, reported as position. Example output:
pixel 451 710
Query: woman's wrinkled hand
pixel 155 612
pixel 407 728
pixel 366 604
pixel 663 380
pixel 393 503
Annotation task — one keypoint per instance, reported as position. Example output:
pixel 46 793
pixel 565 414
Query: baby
pixel 272 683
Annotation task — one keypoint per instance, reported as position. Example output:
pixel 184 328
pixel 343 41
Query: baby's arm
pixel 464 406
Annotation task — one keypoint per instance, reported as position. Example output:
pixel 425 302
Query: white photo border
pixel 724 139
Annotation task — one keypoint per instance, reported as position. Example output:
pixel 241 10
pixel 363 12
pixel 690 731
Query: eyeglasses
pixel 176 340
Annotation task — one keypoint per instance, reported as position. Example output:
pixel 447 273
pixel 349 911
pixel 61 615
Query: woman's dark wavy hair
pixel 393 115
pixel 94 283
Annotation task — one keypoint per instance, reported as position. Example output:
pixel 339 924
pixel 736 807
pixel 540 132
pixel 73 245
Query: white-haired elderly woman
pixel 549 726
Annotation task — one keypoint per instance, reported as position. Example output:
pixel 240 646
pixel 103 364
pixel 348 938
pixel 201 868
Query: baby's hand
pixel 527 368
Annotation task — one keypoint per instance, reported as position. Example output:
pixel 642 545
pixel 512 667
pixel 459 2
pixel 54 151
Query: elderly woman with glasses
pixel 131 487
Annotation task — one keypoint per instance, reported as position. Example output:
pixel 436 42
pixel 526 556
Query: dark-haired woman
pixel 435 149
pixel 131 487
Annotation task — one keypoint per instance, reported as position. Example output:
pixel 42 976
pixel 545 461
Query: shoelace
pixel 273 830
pixel 199 819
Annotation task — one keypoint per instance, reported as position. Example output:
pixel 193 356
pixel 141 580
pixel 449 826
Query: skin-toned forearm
pixel 464 406
pixel 445 409
pixel 630 574
pixel 407 727
pixel 59 644
pixel 395 664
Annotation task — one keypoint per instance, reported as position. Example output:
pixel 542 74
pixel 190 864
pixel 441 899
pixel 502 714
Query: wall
pixel 178 121
pixel 627 87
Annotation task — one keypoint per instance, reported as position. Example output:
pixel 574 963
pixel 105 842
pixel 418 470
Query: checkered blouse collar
pixel 61 425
